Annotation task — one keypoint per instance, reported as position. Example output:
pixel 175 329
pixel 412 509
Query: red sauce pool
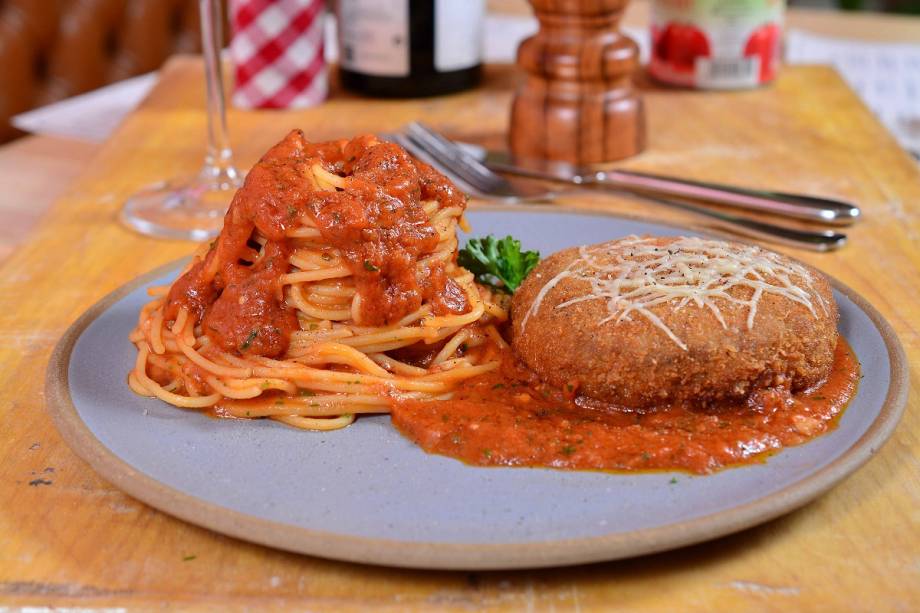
pixel 508 418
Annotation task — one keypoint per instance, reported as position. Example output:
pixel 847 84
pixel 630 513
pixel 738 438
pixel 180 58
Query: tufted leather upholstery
pixel 53 49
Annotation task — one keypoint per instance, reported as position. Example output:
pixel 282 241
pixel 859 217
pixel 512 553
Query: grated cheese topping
pixel 634 274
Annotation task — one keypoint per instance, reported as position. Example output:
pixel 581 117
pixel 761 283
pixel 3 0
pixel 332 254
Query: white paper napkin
pixel 92 116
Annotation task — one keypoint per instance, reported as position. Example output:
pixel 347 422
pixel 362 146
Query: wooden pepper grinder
pixel 578 105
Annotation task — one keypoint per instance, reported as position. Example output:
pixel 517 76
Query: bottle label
pixel 716 44
pixel 458 34
pixel 374 37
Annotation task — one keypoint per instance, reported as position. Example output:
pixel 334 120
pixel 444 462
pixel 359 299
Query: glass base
pixel 193 209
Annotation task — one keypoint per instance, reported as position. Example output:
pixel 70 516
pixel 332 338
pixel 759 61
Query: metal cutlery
pixel 487 185
pixel 799 206
pixel 472 174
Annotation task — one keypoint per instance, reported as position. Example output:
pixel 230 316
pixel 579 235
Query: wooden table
pixel 35 170
pixel 67 538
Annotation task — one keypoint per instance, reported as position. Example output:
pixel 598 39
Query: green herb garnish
pixel 498 263
pixel 248 342
pixel 369 266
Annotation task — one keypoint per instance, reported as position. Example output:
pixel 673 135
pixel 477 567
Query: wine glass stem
pixel 219 158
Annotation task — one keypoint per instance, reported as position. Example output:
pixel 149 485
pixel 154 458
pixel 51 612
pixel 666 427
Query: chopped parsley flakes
pixel 248 342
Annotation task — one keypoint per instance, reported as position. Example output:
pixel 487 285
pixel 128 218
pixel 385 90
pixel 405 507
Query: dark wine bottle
pixel 410 48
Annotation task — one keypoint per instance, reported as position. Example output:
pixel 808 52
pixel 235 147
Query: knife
pixel 799 206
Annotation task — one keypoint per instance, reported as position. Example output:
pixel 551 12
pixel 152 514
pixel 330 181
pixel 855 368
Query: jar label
pixel 374 37
pixel 458 34
pixel 716 44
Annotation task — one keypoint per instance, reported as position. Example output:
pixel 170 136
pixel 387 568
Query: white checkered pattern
pixel 277 51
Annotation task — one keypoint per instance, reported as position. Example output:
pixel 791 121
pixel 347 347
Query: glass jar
pixel 716 44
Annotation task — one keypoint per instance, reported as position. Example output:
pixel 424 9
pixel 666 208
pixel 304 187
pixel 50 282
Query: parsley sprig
pixel 499 263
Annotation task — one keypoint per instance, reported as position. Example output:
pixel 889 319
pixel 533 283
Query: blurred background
pixel 54 49
pixel 51 50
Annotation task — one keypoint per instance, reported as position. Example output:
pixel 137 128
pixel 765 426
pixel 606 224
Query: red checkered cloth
pixel 277 48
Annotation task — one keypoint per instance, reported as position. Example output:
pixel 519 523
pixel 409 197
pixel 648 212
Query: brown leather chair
pixel 53 49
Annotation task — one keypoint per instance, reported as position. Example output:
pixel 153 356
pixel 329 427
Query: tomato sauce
pixel 376 221
pixel 508 418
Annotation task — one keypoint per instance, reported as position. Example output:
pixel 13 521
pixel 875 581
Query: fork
pixel 487 185
pixel 471 174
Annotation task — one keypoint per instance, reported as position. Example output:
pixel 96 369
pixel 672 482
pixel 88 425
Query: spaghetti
pixel 332 291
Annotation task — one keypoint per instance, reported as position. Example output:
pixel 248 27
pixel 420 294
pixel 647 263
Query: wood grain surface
pixel 67 538
pixel 34 171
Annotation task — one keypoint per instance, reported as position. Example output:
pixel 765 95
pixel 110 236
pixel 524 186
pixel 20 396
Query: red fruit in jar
pixel 679 44
pixel 764 42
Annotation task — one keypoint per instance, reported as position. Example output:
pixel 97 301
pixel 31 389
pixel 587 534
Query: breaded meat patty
pixel 642 321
